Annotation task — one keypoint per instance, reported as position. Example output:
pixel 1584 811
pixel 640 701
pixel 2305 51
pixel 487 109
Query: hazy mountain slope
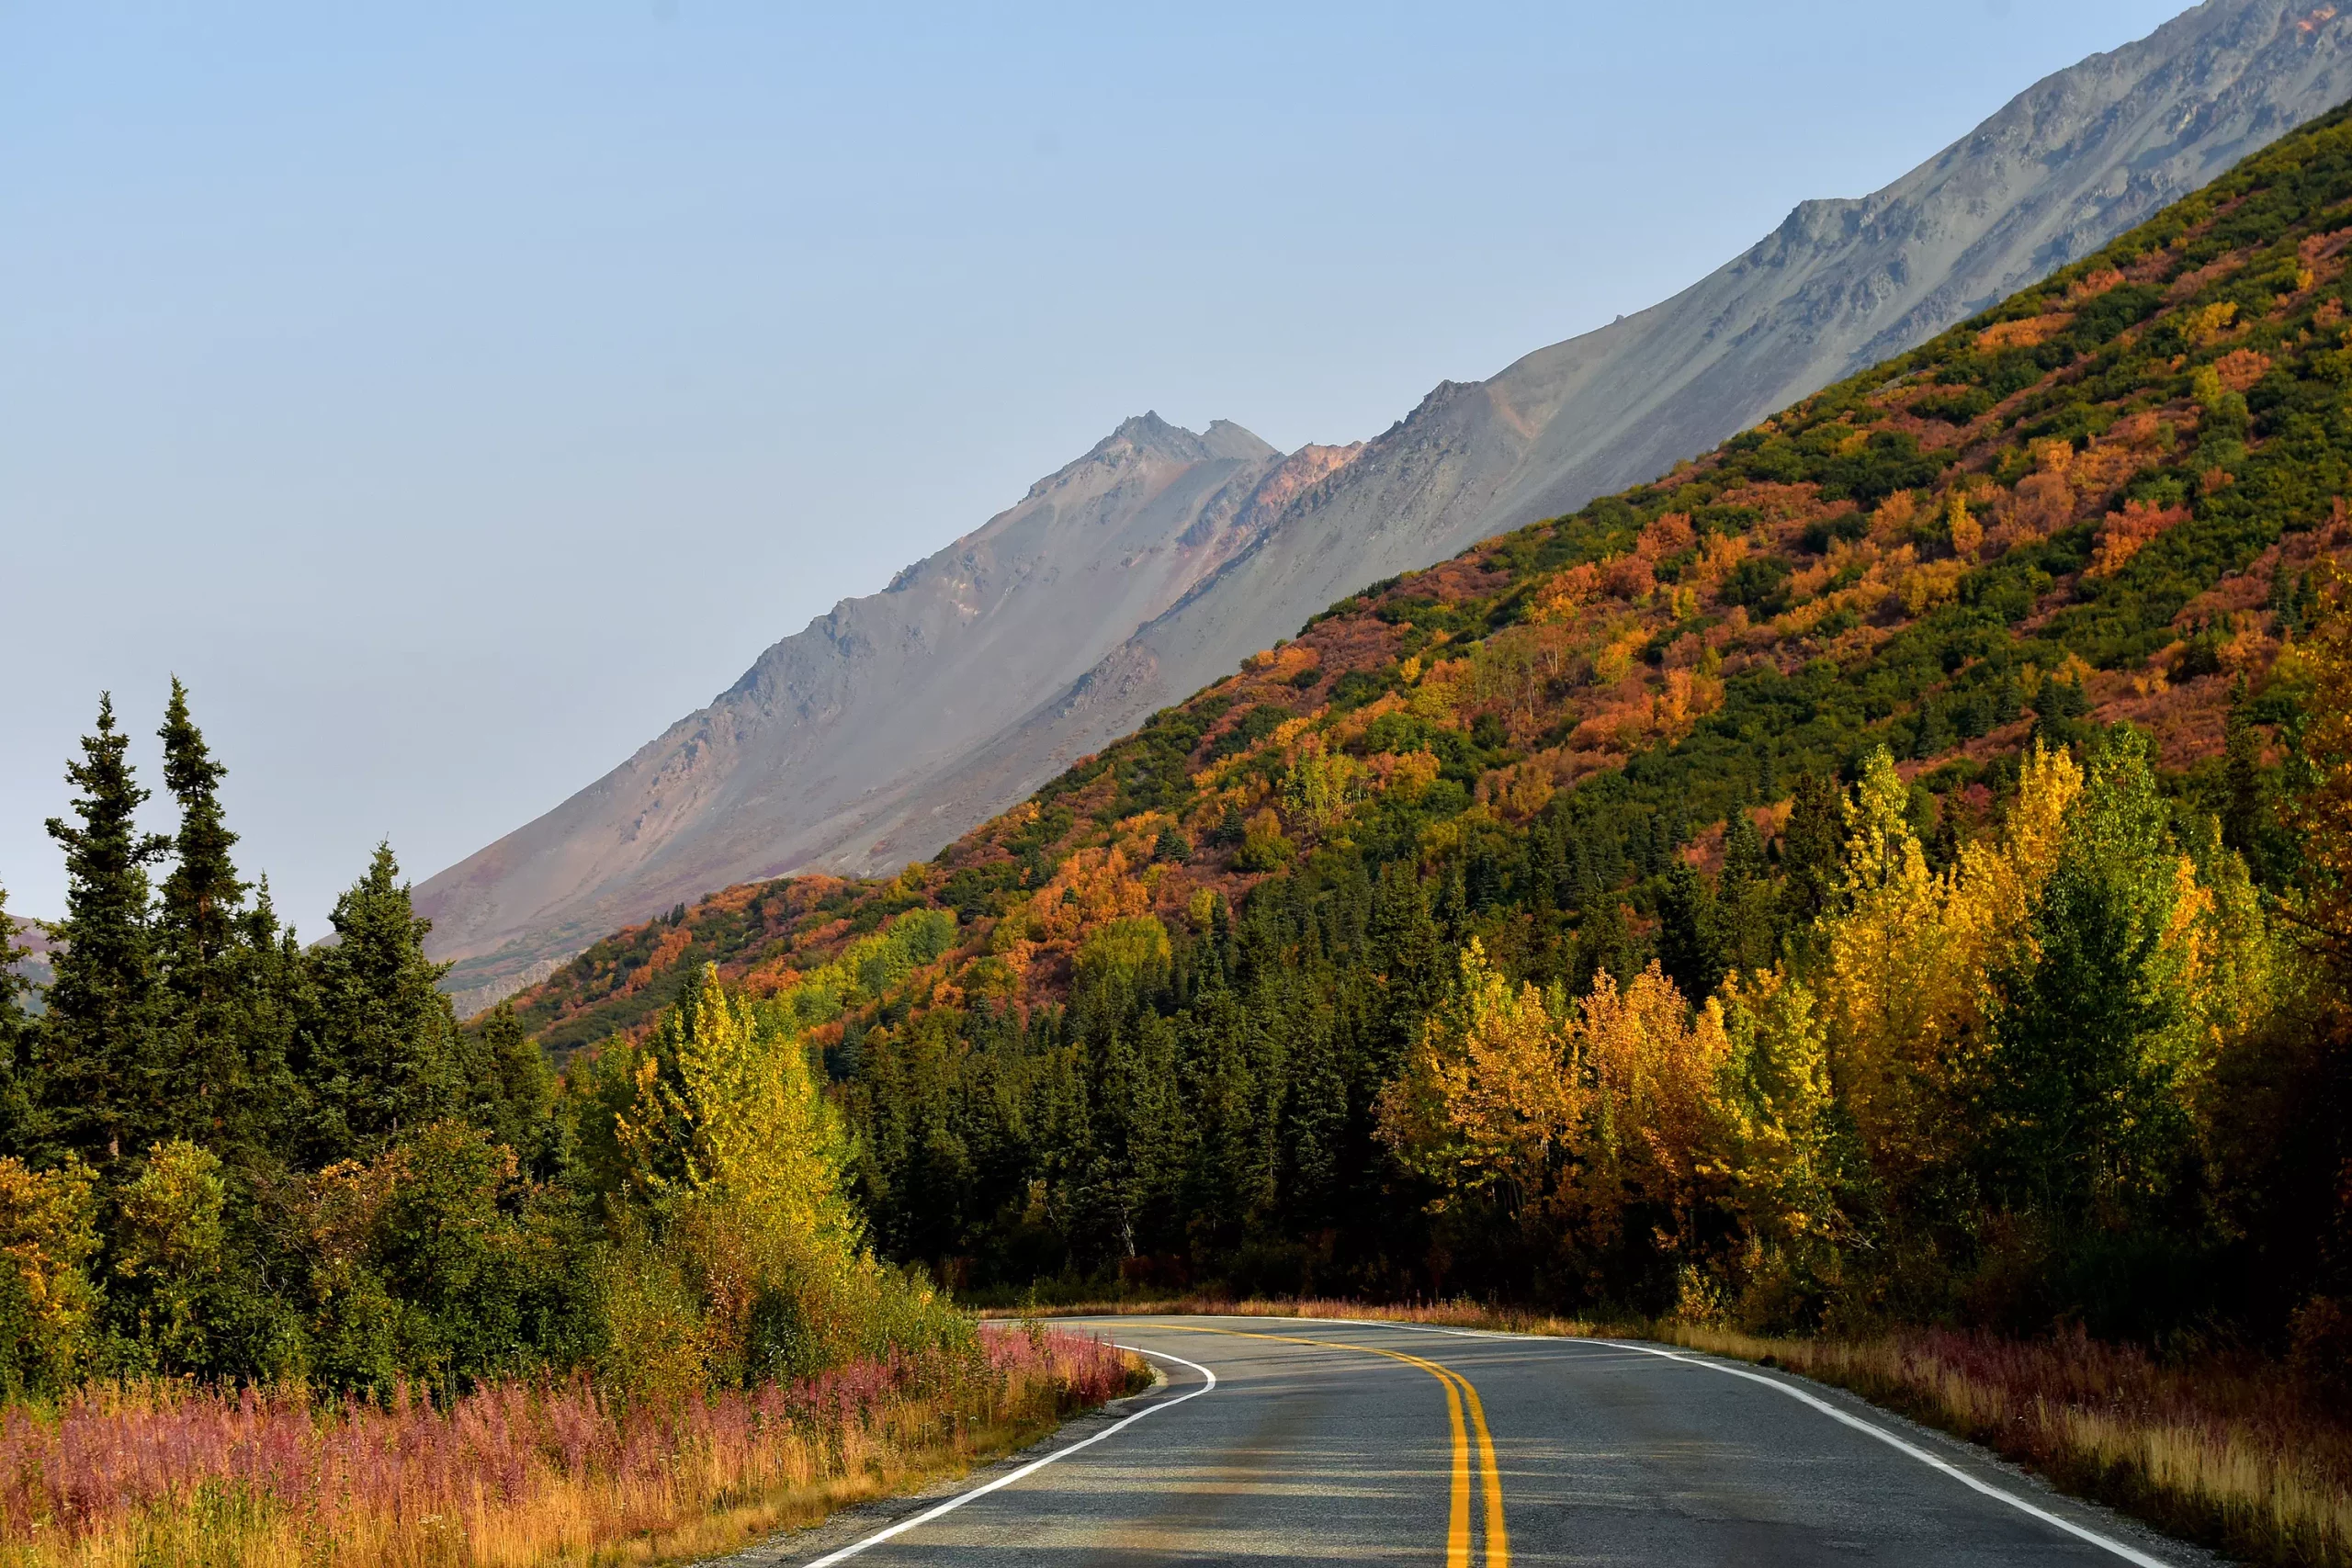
pixel 825 743
pixel 1148 568
pixel 2072 162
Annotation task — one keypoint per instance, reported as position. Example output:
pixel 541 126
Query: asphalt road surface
pixel 1280 1440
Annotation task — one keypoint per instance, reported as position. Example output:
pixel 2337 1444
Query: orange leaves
pixel 2023 333
pixel 2092 283
pixel 1566 593
pixel 2126 533
pixel 1629 577
pixel 1668 534
pixel 2241 368
pixel 1091 887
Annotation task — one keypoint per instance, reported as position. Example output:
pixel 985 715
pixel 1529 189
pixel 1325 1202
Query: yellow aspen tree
pixel 1488 1098
pixel 1652 1135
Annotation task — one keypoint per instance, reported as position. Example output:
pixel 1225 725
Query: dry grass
pixel 515 1475
pixel 2232 1452
pixel 1446 1315
pixel 2228 1450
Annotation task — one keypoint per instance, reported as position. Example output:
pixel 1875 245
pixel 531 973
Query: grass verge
pixel 518 1475
pixel 2232 1451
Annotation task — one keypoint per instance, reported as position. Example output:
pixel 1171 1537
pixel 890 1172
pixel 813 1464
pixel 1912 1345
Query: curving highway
pixel 1278 1440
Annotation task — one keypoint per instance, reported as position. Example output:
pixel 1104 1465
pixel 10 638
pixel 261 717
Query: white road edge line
pixel 949 1507
pixel 2109 1543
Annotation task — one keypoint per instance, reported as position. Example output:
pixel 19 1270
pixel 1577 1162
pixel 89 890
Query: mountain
pixel 38 948
pixel 843 742
pixel 1147 568
pixel 2106 500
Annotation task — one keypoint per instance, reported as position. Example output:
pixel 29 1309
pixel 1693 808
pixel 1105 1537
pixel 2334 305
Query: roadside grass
pixel 515 1475
pixel 2234 1451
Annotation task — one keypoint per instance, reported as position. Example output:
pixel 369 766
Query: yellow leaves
pixel 2210 323
pixel 1967 534
pixel 1487 1095
pixel 1406 777
pixel 48 1229
pixel 1615 661
pixel 1922 588
pixel 1441 688
pixel 1323 787
pixel 1582 1112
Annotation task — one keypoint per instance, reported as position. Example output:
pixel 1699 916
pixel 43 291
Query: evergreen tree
pixel 1810 852
pixel 378 1046
pixel 1688 945
pixel 195 933
pixel 104 1075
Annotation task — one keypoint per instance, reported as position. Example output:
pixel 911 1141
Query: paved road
pixel 1288 1441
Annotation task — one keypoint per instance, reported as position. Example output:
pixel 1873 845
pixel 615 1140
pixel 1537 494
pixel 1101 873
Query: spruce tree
pixel 378 1046
pixel 196 924
pixel 1690 947
pixel 196 935
pixel 104 1077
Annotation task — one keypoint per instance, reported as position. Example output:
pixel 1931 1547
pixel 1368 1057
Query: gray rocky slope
pixel 1152 565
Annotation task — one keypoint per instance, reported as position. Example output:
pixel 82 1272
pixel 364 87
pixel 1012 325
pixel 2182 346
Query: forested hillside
pixel 1873 867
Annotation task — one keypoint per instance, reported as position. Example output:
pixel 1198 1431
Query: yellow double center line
pixel 1459 1396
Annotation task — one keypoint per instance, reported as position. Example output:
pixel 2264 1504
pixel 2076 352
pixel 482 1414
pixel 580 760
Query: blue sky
pixel 456 395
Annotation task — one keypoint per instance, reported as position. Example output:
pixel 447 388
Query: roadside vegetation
pixel 293 1269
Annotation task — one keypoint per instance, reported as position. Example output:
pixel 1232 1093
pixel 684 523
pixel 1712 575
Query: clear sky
pixel 456 395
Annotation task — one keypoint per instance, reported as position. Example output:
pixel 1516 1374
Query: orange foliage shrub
pixel 1629 577
pixel 1670 535
pixel 2126 533
pixel 2241 368
pixel 2025 333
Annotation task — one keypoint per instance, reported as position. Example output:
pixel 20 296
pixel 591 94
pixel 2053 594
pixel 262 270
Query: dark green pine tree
pixel 513 1087
pixel 1690 947
pixel 196 936
pixel 1811 850
pixel 104 1075
pixel 379 1043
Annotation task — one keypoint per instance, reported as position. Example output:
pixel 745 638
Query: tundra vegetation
pixel 1888 873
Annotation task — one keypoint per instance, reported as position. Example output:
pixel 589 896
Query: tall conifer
pixel 196 935
pixel 379 1044
pixel 196 925
pixel 103 1076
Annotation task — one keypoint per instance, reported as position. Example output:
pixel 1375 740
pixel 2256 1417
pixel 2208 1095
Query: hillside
pixel 1234 999
pixel 1152 565
pixel 2098 502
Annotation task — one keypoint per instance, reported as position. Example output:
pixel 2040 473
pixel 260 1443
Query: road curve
pixel 1280 1440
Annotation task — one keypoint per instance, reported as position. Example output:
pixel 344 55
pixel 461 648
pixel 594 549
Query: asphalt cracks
pixel 1283 1440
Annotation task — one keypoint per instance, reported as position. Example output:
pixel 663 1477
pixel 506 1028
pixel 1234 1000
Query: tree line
pixel 226 1154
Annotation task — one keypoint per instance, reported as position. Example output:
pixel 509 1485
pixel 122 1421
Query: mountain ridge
pixel 2073 160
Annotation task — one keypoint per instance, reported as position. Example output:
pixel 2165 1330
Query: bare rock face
pixel 829 749
pixel 1154 564
pixel 2068 164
